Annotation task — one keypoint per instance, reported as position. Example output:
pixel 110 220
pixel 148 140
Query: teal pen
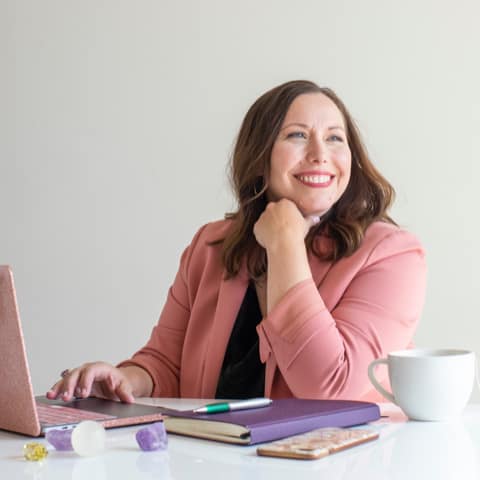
pixel 238 405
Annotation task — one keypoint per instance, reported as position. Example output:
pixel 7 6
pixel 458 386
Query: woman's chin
pixel 306 208
pixel 313 212
pixel 313 209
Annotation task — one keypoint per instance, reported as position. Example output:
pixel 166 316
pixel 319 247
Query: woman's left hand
pixel 282 221
pixel 281 229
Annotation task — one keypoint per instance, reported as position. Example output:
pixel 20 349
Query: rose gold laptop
pixel 20 411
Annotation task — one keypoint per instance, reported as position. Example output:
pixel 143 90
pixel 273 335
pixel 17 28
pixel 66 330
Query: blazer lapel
pixel 230 297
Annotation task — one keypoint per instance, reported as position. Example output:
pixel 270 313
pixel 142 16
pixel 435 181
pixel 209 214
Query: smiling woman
pixel 281 129
pixel 295 292
pixel 310 161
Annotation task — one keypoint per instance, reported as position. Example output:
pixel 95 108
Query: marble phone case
pixel 317 443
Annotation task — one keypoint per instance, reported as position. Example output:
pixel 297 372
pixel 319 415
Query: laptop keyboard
pixel 59 415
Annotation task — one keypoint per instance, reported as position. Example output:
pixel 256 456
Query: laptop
pixel 20 410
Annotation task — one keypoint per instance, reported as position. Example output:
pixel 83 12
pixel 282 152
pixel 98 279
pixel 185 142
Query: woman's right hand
pixel 97 379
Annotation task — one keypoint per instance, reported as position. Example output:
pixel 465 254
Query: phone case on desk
pixel 317 443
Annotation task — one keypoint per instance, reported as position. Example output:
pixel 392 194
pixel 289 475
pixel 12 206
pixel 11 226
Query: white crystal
pixel 88 438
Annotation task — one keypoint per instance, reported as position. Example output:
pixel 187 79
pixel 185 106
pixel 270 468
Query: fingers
pixel 90 373
pixel 66 386
pixel 124 393
pixel 98 379
pixel 81 382
pixel 107 382
pixel 289 211
pixel 120 387
pixel 280 221
pixel 54 391
pixel 70 385
pixel 52 394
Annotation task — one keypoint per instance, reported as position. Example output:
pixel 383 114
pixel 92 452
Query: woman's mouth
pixel 318 180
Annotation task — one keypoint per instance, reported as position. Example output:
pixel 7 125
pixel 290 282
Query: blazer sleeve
pixel 325 354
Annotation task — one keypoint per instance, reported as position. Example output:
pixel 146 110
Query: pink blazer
pixel 328 329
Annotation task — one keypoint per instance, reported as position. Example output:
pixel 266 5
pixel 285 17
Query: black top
pixel 242 374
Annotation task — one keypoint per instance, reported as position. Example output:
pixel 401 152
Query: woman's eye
pixel 297 135
pixel 335 138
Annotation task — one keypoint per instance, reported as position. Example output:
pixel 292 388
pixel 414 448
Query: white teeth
pixel 314 178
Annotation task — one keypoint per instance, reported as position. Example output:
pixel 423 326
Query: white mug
pixel 431 385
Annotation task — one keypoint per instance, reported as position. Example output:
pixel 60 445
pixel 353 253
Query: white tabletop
pixel 406 450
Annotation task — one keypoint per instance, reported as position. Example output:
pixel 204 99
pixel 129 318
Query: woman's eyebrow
pixel 304 125
pixel 295 124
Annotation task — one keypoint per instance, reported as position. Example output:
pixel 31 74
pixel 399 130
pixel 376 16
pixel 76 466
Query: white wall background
pixel 117 118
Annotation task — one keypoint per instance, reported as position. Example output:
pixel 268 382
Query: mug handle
pixel 375 383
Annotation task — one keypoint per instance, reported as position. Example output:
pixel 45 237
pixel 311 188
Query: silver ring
pixel 65 373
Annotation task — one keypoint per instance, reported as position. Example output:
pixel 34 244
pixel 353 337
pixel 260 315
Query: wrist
pixel 286 268
pixel 286 245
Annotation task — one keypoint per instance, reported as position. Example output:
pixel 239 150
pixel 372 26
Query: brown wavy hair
pixel 365 200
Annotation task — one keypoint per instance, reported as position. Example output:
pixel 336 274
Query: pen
pixel 239 405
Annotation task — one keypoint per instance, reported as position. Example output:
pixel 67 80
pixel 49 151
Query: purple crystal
pixel 60 439
pixel 153 437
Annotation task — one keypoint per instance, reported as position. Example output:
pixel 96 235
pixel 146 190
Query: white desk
pixel 405 451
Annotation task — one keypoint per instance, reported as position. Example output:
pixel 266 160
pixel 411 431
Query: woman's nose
pixel 316 152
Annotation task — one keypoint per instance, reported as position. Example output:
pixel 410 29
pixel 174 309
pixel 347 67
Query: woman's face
pixel 311 159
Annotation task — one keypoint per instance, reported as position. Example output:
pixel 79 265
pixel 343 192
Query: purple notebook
pixel 283 418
